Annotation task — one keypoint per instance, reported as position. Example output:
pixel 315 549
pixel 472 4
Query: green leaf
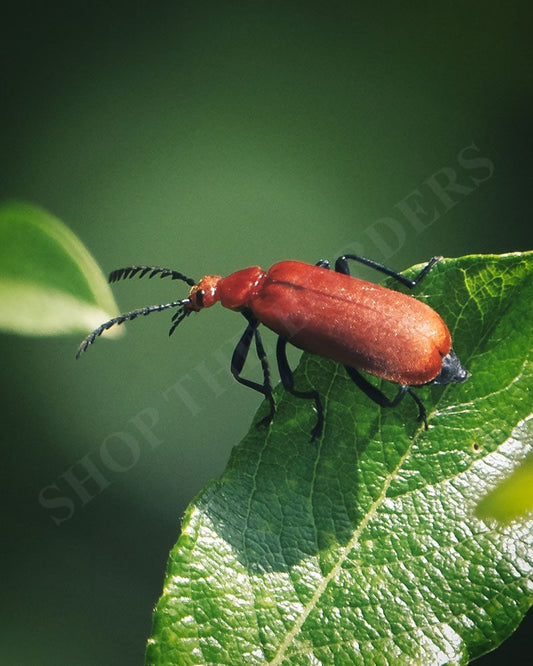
pixel 364 547
pixel 513 497
pixel 49 283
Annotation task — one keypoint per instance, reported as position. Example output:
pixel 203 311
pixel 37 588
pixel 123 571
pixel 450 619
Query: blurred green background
pixel 210 136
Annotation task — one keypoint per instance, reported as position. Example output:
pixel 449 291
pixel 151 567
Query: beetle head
pixel 204 294
pixel 452 371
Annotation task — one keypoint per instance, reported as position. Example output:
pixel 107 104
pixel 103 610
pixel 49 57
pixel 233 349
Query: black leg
pixel 323 263
pixel 287 379
pixel 239 358
pixel 381 399
pixel 341 266
pixel 422 417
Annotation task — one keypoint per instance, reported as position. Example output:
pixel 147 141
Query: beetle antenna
pixel 178 318
pixel 131 271
pixel 128 316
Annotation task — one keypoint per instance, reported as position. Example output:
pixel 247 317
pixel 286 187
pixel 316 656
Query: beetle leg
pixel 421 409
pixel 381 399
pixel 239 358
pixel 323 263
pixel 341 266
pixel 287 379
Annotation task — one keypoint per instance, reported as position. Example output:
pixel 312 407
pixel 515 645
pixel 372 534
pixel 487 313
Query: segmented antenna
pixel 128 316
pixel 177 318
pixel 131 271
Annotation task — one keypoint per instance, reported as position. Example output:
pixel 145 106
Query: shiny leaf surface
pixel 364 547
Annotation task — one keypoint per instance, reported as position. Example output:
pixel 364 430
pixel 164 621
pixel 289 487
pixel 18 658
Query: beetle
pixel 364 326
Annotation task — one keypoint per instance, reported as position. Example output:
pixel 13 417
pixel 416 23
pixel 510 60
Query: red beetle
pixel 357 323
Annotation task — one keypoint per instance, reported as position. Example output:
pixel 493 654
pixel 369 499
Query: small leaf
pixel 364 547
pixel 513 497
pixel 49 283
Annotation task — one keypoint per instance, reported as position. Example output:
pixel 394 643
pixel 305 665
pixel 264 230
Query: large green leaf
pixel 364 547
pixel 49 283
